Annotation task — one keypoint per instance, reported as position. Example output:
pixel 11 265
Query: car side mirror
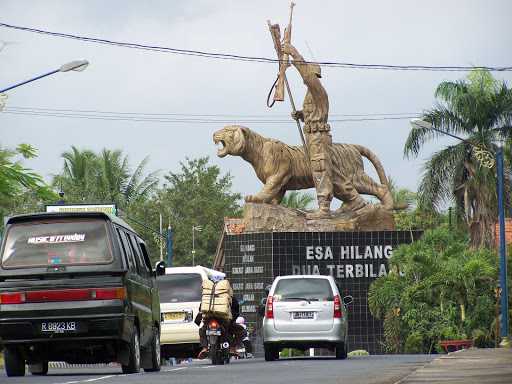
pixel 348 300
pixel 159 268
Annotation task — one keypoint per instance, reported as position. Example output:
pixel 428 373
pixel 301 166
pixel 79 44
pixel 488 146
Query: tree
pixel 104 178
pixel 21 189
pixel 197 195
pixel 297 200
pixel 437 288
pixel 478 108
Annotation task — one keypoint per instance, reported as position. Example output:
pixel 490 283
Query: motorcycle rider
pixel 235 332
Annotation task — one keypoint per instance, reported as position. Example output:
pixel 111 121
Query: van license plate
pixel 174 316
pixel 58 326
pixel 303 315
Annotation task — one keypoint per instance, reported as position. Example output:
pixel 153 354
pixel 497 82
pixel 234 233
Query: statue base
pixel 276 218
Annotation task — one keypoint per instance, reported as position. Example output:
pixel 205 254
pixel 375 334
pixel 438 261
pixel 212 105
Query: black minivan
pixel 79 288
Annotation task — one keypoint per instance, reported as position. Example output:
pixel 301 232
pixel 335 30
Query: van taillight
pixel 269 313
pixel 12 298
pixel 79 294
pixel 109 293
pixel 337 308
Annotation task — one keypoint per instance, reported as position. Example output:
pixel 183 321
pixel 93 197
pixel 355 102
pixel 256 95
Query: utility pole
pixel 161 240
pixel 195 228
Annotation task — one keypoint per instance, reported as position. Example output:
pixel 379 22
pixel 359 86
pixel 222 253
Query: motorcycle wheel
pixel 216 355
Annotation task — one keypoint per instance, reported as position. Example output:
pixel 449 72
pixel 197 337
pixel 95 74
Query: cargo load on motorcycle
pixel 216 299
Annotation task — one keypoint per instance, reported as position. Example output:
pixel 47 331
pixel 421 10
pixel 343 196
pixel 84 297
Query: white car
pixel 305 311
pixel 180 297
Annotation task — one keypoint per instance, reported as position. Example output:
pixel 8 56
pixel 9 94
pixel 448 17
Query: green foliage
pixel 298 200
pixel 292 352
pixel 105 177
pixel 439 288
pixel 21 189
pixel 479 109
pixel 197 195
pixel 414 343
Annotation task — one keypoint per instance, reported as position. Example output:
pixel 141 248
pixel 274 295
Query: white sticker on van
pixel 57 239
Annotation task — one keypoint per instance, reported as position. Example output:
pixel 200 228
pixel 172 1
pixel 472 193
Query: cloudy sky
pixel 435 32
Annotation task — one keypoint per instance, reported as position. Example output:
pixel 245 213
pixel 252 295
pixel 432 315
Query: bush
pixel 358 352
pixel 482 339
pixel 414 343
pixel 291 352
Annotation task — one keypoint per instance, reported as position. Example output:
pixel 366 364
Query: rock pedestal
pixel 276 218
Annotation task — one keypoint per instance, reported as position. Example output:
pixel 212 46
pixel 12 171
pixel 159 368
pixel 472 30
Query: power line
pixel 188 120
pixel 42 109
pixel 229 56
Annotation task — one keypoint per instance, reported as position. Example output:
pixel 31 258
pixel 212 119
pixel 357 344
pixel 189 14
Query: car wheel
pixel 39 369
pixel 14 362
pixel 155 352
pixel 341 351
pixel 271 353
pixel 134 354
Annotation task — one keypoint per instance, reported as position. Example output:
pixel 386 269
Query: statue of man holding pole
pixel 317 139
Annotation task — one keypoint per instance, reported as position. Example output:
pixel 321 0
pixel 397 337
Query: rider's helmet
pixel 240 320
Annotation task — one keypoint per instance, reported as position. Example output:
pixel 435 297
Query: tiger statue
pixel 282 167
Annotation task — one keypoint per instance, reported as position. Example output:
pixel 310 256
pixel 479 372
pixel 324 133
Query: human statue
pixel 314 114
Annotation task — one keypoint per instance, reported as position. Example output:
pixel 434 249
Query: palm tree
pixel 104 177
pixel 402 197
pixel 297 200
pixel 479 109
pixel 78 175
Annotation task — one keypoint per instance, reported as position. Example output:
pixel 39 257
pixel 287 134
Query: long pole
pixel 161 241
pixel 193 247
pixel 306 149
pixel 503 250
pixel 29 81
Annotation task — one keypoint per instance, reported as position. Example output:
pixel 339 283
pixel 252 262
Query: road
pixel 355 370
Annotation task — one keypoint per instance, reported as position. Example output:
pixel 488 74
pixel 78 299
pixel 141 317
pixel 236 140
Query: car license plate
pixel 303 315
pixel 58 326
pixel 174 316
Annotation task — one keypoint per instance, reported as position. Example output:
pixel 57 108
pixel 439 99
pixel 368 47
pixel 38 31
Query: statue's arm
pixel 310 79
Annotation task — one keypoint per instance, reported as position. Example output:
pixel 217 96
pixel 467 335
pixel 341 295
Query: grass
pixel 1 359
pixel 359 352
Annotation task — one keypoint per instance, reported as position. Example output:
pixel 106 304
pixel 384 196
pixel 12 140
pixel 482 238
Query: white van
pixel 180 297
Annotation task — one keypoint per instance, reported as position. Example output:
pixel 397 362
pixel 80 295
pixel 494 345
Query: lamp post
pixel 487 161
pixel 195 228
pixel 76 65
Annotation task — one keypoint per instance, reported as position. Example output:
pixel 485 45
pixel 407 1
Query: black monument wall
pixel 354 259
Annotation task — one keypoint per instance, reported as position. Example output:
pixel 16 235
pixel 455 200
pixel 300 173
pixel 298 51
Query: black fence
pixel 354 259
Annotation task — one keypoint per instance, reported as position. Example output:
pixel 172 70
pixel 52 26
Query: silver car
pixel 305 311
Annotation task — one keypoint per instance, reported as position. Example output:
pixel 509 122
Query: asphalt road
pixel 356 370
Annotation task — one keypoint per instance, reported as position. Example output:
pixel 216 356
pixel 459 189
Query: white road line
pixel 176 369
pixel 88 380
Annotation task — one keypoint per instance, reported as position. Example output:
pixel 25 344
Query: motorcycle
pixel 218 344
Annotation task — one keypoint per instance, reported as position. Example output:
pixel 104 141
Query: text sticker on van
pixel 57 239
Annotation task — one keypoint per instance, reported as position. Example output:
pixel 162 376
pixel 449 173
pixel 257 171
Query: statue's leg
pixel 366 185
pixel 271 189
pixel 321 167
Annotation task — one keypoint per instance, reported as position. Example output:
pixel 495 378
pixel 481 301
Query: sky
pixel 399 32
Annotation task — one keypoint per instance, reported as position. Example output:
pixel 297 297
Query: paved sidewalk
pixel 472 366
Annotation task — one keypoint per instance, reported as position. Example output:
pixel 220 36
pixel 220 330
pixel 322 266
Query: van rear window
pixel 52 242
pixel 303 289
pixel 180 287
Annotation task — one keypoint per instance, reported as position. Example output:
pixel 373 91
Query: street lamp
pixel 485 158
pixel 195 228
pixel 76 65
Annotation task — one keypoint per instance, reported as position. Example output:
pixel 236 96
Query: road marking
pixel 176 369
pixel 88 380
